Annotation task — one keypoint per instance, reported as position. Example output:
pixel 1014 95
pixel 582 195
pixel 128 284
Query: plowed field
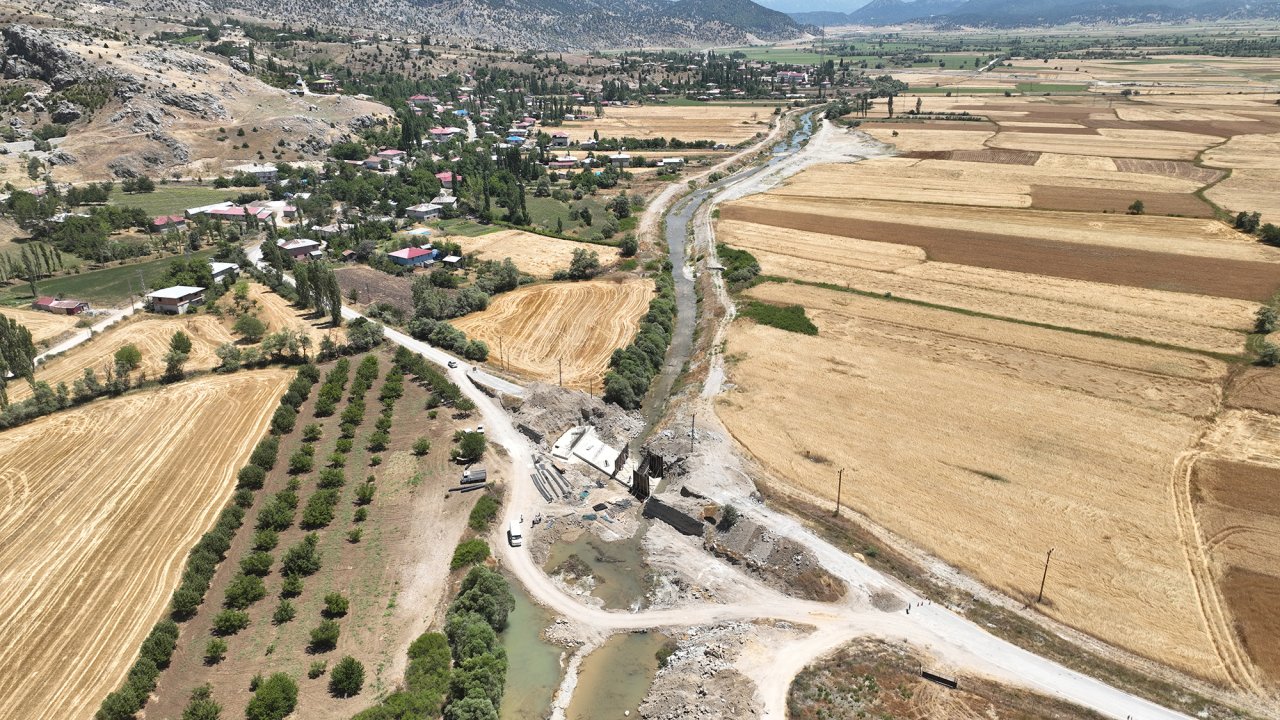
pixel 578 324
pixel 150 334
pixel 100 506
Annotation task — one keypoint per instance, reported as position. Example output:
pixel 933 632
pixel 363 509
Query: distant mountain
pixel 821 17
pixel 1026 13
pixel 531 24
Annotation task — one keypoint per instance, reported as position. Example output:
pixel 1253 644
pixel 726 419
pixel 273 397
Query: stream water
pixel 677 233
pixel 535 663
pixel 618 567
pixel 614 679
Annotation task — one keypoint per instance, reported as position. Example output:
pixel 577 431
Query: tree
pixel 1137 208
pixel 469 552
pixel 303 558
pixel 17 354
pixel 174 362
pixel 230 357
pixel 471 445
pixel 584 264
pixel 250 328
pixel 347 678
pixel 629 246
pixel 1270 234
pixel 128 357
pixel 729 518
pixel 274 699
pixel 215 651
pixel 1269 355
pixel 335 605
pixel 421 446
pixel 471 708
pixel 284 612
pixel 243 591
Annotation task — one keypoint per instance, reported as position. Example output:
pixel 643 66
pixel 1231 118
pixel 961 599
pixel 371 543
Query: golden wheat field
pixel 101 505
pixel 537 255
pixel 729 124
pixel 538 329
pixel 43 326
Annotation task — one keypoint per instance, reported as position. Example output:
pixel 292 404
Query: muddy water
pixel 618 567
pixel 535 670
pixel 615 678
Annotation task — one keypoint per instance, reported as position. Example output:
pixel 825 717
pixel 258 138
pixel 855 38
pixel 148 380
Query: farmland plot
pixel 101 505
pixel 537 255
pixel 43 326
pixel 729 124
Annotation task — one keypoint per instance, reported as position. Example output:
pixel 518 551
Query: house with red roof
pixel 413 256
pixel 449 179
pixel 53 305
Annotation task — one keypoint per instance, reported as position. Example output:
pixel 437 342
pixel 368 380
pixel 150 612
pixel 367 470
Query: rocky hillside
pixel 133 109
pixel 536 24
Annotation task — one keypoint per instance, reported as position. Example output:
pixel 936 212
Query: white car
pixel 453 363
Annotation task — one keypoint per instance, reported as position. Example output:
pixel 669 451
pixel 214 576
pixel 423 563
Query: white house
pixel 424 211
pixel 264 172
pixel 176 300
pixel 224 269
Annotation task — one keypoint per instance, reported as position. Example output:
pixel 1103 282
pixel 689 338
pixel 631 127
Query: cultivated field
pixel 279 315
pixel 576 324
pixel 1006 440
pixel 1033 367
pixel 43 326
pixel 101 505
pixel 537 255
pixel 151 335
pixel 729 124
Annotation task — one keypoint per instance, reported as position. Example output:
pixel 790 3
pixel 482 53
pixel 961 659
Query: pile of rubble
pixel 698 679
pixel 549 411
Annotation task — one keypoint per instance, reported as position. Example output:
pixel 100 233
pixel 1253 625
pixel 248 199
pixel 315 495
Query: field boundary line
pixel 1224 357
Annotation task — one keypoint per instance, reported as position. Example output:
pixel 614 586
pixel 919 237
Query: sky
pixel 807 5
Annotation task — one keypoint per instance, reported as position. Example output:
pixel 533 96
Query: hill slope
pixel 1020 13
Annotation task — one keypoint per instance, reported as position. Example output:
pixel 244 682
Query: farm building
pixel 165 223
pixel 560 140
pixel 452 260
pixel 412 256
pixel 224 269
pixel 60 307
pixel 449 179
pixel 621 160
pixel 424 211
pixel 175 300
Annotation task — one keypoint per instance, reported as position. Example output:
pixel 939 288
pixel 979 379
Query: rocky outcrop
pixel 66 112
pixel 29 53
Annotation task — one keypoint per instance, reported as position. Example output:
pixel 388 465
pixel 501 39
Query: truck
pixel 515 535
pixel 474 475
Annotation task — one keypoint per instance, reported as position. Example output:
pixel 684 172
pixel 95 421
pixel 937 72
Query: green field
pixel 1034 87
pixel 915 90
pixel 464 227
pixel 108 286
pixel 544 211
pixel 173 199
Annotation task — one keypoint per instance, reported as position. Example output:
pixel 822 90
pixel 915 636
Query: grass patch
pixel 465 227
pixel 1035 87
pixel 108 286
pixel 789 317
pixel 483 512
pixel 173 199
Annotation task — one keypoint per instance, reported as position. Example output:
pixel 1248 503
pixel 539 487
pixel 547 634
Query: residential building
pixel 412 256
pixel 164 223
pixel 424 211
pixel 175 300
pixel 264 172
pixel 224 269
pixel 449 179
pixel 621 160
pixel 300 248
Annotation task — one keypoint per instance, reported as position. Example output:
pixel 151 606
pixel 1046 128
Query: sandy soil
pixel 1001 453
pixel 537 255
pixel 721 123
pixel 580 324
pixel 150 333
pixel 101 505
pixel 43 326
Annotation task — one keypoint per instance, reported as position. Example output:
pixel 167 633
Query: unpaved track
pixel 100 506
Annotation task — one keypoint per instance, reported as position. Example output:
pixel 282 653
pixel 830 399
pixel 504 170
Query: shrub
pixel 1264 321
pixel 250 328
pixel 335 605
pixel 1269 355
pixel 421 446
pixel 791 318
pixel 343 445
pixel 283 613
pixel 729 518
pixel 347 430
pixel 243 498
pixel 353 535
pixel 284 419
pixel 364 494
pixel 251 477
pixel 202 705
pixel 129 357
pixel 324 637
pixel 317 669
pixel 277 513
pixel 243 591
pixel 274 699
pixel 337 460
pixel 483 513
pixel 215 651
pixel 312 432
pixel 377 442
pixel 375 460
pixel 230 622
pixel 256 563
pixel 303 558
pixel 485 593
pixel 469 552
pixel 347 678
pixel 361 514
pixel 292 586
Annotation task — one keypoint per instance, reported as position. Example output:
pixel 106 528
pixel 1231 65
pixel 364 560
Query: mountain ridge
pixel 1033 13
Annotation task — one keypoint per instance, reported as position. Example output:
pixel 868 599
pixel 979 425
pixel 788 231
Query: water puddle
pixel 614 679
pixel 535 663
pixel 618 568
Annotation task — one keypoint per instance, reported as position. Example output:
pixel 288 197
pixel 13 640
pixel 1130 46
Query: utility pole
pixel 839 489
pixel 692 421
pixel 560 368
pixel 1040 596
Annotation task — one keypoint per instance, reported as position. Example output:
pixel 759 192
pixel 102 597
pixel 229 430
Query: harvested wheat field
pixel 43 326
pixel 579 324
pixel 101 505
pixel 986 451
pixel 537 255
pixel 151 335
pixel 280 314
pixel 729 124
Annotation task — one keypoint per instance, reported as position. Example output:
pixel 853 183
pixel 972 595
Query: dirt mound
pixel 698 678
pixel 551 410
